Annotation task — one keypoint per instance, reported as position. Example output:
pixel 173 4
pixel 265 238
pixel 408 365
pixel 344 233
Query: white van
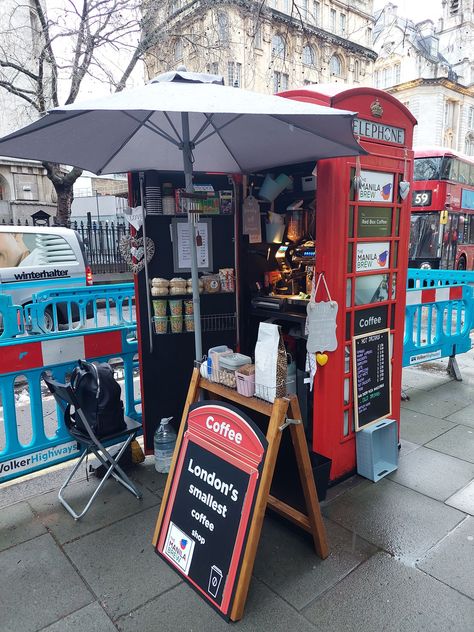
pixel 33 259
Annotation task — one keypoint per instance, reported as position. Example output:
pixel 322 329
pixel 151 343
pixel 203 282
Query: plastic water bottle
pixel 164 444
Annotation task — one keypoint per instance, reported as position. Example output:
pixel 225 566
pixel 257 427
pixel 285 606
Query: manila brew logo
pixel 372 256
pixel 179 548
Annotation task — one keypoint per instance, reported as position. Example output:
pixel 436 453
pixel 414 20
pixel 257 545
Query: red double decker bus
pixel 442 213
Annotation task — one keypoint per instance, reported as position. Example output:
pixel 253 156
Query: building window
pixel 258 36
pixel 285 6
pixel 342 23
pixel 278 47
pixel 234 74
pixel 178 50
pixel 369 37
pixel 223 28
pixel 377 78
pixel 333 20
pixel 303 9
pixel 213 68
pixel 335 66
pixel 469 145
pixel 386 77
pixel 470 118
pixel 449 114
pixel 356 70
pixel 280 81
pixel 308 56
pixel 454 7
pixel 317 12
pixel 396 73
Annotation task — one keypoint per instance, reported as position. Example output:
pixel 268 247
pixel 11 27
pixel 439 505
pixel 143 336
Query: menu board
pixel 210 505
pixel 372 377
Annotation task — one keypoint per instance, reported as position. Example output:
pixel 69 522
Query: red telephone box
pixel 362 231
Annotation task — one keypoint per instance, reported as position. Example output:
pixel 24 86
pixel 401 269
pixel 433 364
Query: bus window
pixel 446 168
pixel 427 168
pixel 471 229
pixel 464 172
pixel 463 233
pixel 424 236
pixel 454 170
pixel 471 175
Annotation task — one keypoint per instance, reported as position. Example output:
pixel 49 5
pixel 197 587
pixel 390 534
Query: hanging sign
pixel 321 322
pixel 372 256
pixel 372 377
pixel 375 186
pixel 251 223
pixel 182 244
pixel 203 534
pixel 134 216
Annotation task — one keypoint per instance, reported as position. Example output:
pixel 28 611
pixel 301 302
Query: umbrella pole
pixel 141 176
pixel 188 179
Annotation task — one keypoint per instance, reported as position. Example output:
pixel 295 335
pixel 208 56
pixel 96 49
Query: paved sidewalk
pixel 402 550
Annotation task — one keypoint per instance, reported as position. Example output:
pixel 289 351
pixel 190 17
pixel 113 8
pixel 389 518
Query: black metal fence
pixel 101 241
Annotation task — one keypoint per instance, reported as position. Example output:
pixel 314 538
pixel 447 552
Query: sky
pixel 416 10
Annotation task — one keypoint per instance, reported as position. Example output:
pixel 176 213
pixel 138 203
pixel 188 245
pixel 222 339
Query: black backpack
pixel 99 396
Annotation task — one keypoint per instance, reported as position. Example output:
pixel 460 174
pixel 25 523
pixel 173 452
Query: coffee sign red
pixel 209 508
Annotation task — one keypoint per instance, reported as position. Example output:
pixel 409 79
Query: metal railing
pixel 101 241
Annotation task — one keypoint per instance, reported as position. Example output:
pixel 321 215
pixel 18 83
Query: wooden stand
pixel 284 412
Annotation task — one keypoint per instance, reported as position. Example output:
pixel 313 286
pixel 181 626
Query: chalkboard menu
pixel 372 377
pixel 211 500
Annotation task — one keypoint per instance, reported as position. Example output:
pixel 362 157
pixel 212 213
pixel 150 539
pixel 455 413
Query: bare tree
pixel 48 57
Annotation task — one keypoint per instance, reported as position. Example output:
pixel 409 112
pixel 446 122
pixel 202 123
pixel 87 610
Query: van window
pixel 20 250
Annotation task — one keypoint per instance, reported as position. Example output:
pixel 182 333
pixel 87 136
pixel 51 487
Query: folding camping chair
pixel 90 443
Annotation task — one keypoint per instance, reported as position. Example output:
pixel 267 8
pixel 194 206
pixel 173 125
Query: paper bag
pixel 270 363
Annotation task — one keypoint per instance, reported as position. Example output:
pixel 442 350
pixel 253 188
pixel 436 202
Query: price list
pixel 372 382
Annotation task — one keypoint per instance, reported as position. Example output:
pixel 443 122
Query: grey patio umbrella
pixel 185 121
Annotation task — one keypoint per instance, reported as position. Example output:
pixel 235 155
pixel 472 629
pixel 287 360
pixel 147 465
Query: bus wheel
pixel 461 263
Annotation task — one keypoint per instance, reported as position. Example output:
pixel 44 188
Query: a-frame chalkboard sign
pixel 218 489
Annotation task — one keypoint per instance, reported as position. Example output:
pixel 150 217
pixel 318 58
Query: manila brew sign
pixel 210 504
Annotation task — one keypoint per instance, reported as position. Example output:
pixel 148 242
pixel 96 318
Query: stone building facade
pixel 24 190
pixel 267 46
pixel 430 68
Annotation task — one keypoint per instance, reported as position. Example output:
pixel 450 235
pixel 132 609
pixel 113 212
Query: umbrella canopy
pixel 184 121
pixel 231 130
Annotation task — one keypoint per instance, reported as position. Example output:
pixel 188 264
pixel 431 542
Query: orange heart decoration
pixel 322 358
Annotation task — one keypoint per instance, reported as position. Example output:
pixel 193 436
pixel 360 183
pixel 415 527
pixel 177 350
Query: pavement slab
pixel 18 524
pixel 465 416
pixel 384 595
pixel 419 428
pixel 146 475
pixel 458 442
pixel 92 618
pixel 119 563
pixel 432 473
pixel 286 561
pixel 394 518
pixel 113 503
pixel 436 402
pixel 38 586
pixel 416 377
pixel 406 447
pixel 181 609
pixel 463 499
pixel 452 560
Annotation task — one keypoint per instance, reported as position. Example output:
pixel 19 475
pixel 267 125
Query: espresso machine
pixel 296 266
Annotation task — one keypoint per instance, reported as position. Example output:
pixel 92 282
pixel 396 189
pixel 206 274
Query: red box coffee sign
pixel 211 500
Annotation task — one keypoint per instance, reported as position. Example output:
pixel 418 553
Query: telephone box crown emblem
pixel 376 108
